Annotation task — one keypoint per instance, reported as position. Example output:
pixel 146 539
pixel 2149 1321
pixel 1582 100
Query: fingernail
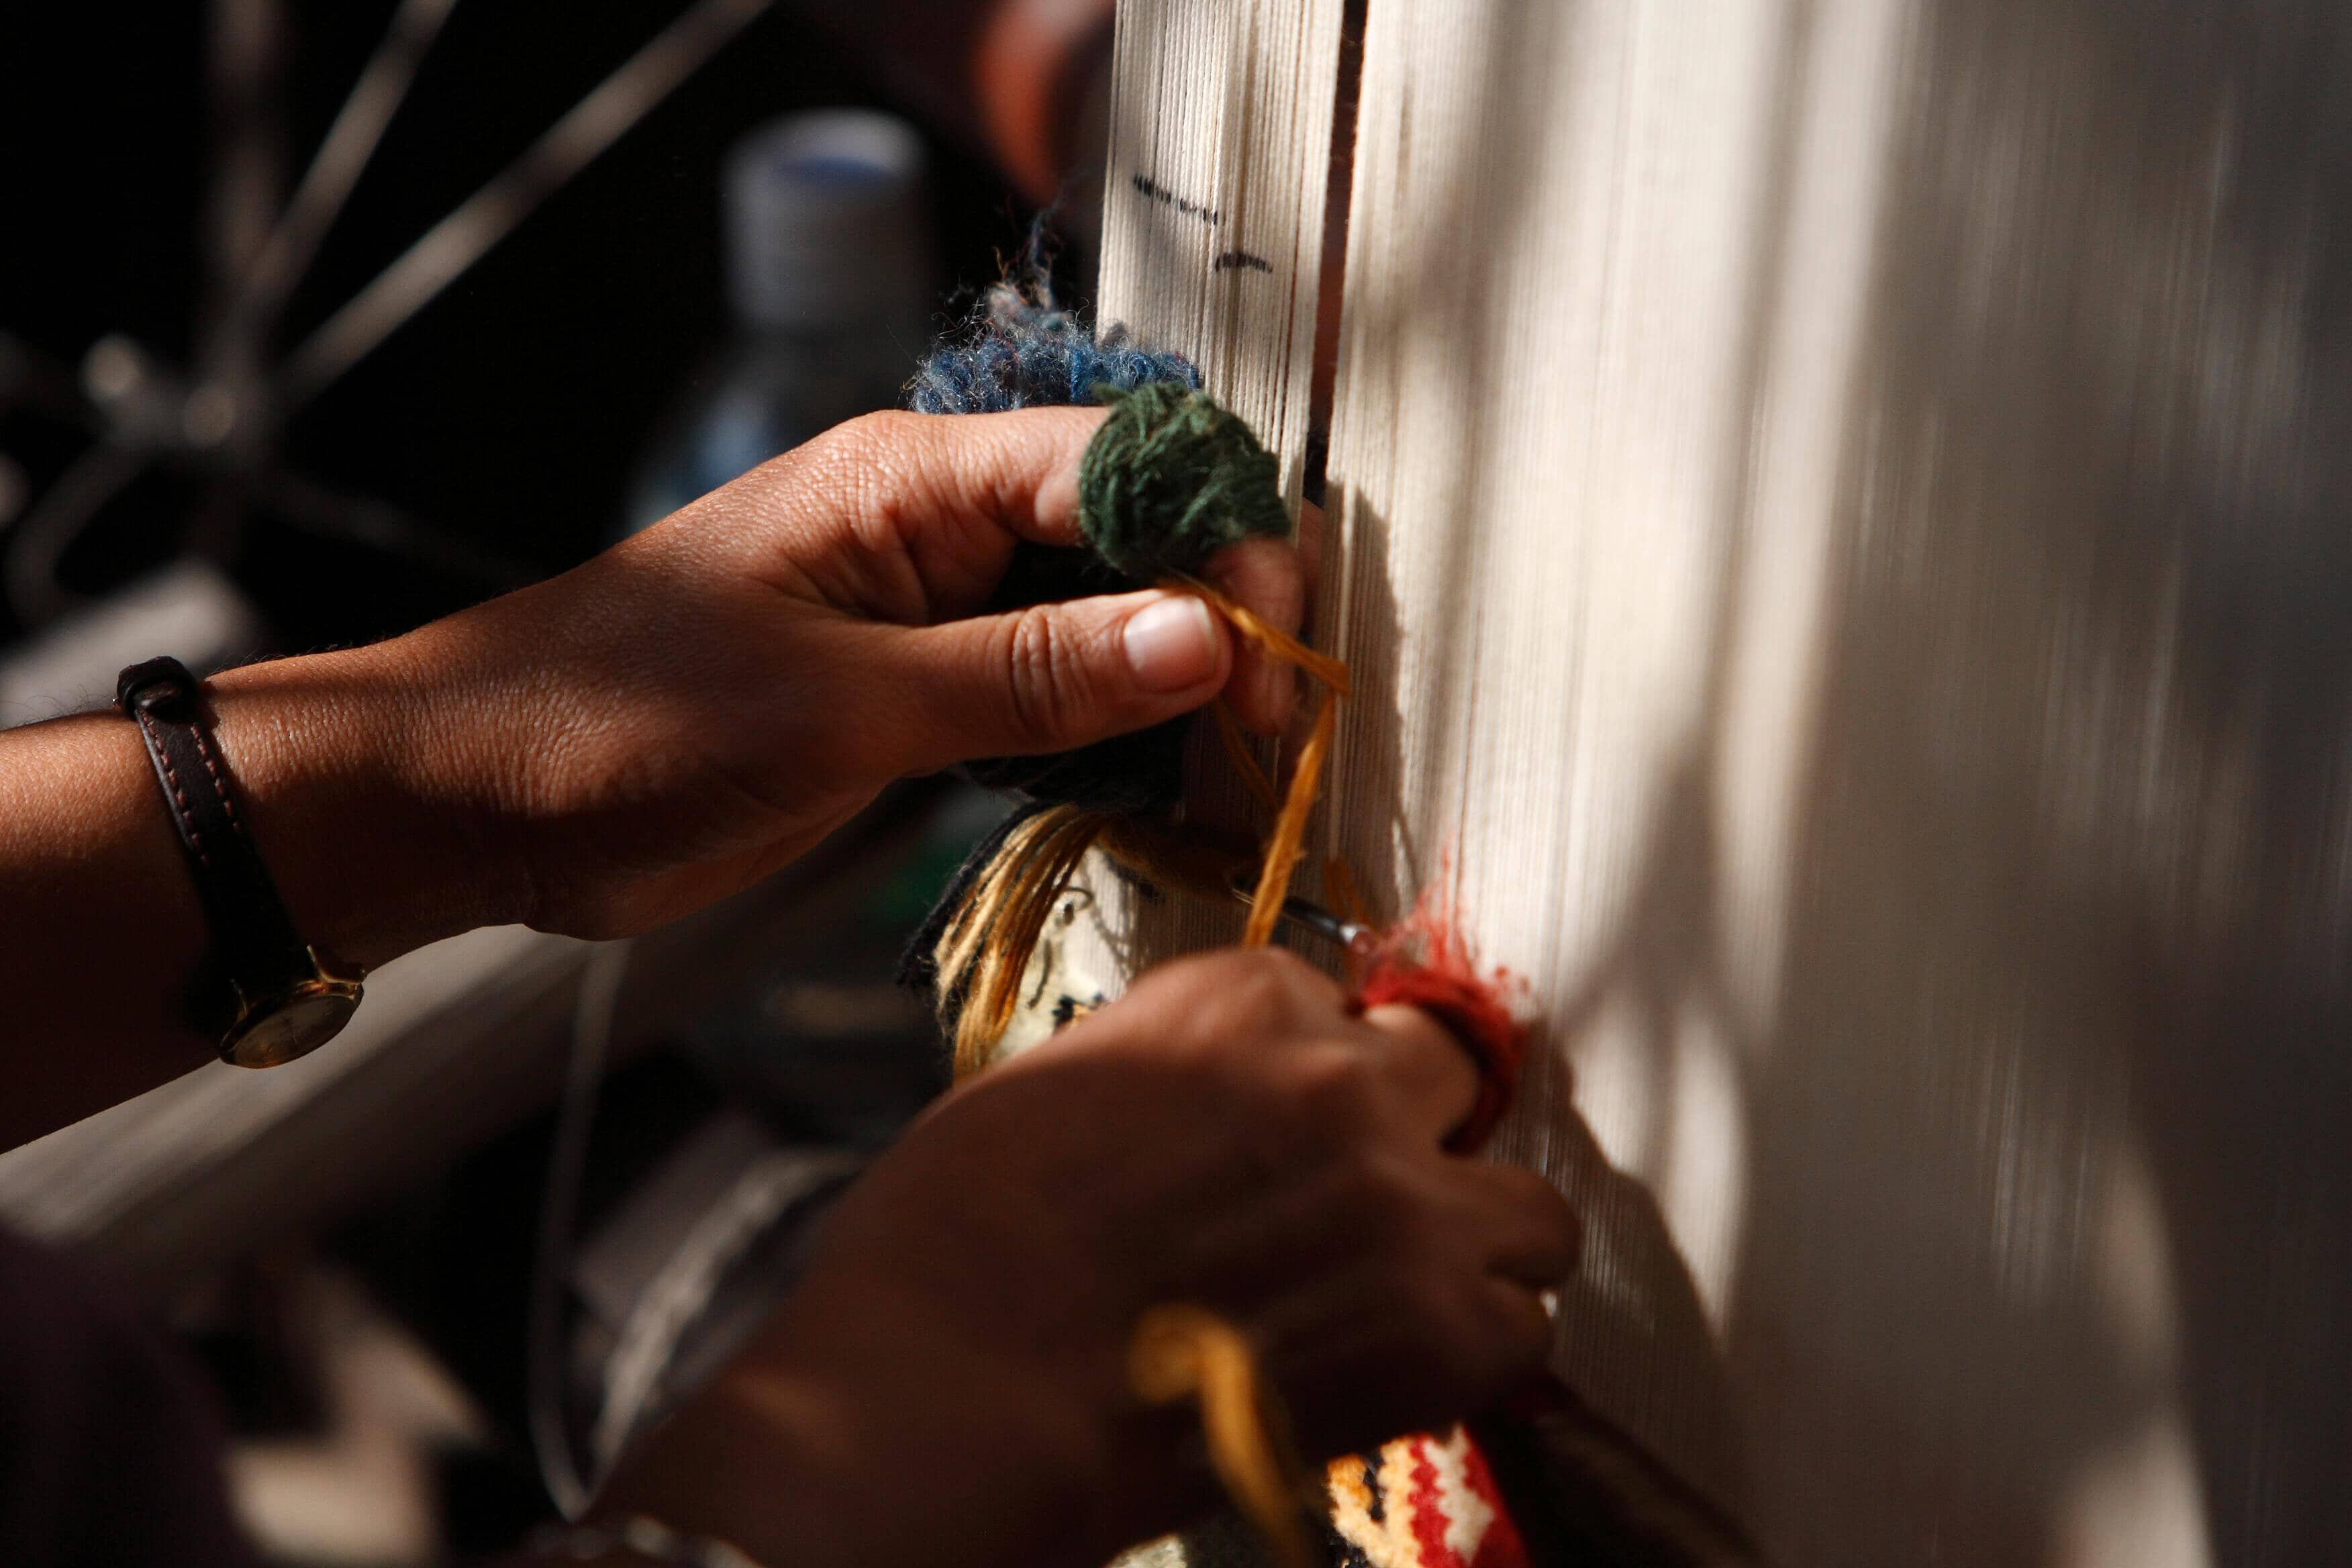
pixel 1171 643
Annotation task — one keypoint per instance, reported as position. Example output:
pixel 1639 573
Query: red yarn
pixel 1426 961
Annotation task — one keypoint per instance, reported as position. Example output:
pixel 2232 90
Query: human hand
pixel 950 1379
pixel 697 706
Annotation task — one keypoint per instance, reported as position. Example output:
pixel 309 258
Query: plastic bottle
pixel 832 276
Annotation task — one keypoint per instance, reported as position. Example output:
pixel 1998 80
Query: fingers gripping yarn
pixel 1170 479
pixel 1426 961
pixel 1021 350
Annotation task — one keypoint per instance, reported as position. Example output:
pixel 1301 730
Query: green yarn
pixel 1170 478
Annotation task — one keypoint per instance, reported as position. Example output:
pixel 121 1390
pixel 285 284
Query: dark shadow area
pixel 508 412
pixel 2068 949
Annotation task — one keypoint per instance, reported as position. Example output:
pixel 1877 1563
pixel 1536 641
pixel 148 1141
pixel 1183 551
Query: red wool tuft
pixel 1426 962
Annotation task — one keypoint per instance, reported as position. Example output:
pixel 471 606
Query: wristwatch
pixel 264 993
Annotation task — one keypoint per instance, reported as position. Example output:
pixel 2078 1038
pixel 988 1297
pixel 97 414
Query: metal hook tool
pixel 1357 940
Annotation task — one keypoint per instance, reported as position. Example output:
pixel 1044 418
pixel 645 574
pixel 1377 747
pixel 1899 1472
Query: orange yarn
pixel 1181 1352
pixel 1283 845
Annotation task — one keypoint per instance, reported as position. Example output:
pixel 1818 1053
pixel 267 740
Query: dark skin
pixel 671 722
pixel 1386 1285
pixel 608 750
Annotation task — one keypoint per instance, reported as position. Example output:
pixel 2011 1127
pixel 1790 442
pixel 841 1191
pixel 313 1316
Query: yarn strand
pixel 987 946
pixel 1283 845
pixel 1290 828
pixel 1181 1352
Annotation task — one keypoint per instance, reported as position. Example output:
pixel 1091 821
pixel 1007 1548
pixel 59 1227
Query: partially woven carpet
pixel 1420 1502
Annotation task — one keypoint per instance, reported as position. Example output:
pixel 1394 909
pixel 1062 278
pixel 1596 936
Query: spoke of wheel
pixel 490 214
pixel 248 37
pixel 344 153
pixel 48 530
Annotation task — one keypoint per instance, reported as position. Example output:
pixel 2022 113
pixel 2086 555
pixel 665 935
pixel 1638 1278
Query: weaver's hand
pixel 702 703
pixel 949 1381
pixel 697 706
pixel 612 748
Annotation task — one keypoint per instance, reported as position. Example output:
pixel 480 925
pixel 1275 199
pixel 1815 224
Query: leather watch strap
pixel 255 946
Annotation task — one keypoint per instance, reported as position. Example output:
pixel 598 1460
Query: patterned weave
pixel 1421 1502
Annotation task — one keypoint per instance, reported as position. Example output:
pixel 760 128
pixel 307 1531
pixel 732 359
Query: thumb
pixel 1054 676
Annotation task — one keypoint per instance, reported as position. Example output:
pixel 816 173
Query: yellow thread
pixel 1321 667
pixel 990 942
pixel 959 943
pixel 1289 833
pixel 1290 828
pixel 1028 898
pixel 962 942
pixel 1182 1351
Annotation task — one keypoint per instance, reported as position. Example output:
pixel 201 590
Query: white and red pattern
pixel 1423 1502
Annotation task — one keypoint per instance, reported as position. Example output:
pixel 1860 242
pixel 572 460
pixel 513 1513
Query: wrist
pixel 365 799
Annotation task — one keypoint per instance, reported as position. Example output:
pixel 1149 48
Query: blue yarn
pixel 1022 351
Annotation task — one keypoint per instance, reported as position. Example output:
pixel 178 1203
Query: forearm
pixel 342 786
pixel 607 750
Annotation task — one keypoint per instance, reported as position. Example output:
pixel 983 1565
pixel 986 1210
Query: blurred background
pixel 318 321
